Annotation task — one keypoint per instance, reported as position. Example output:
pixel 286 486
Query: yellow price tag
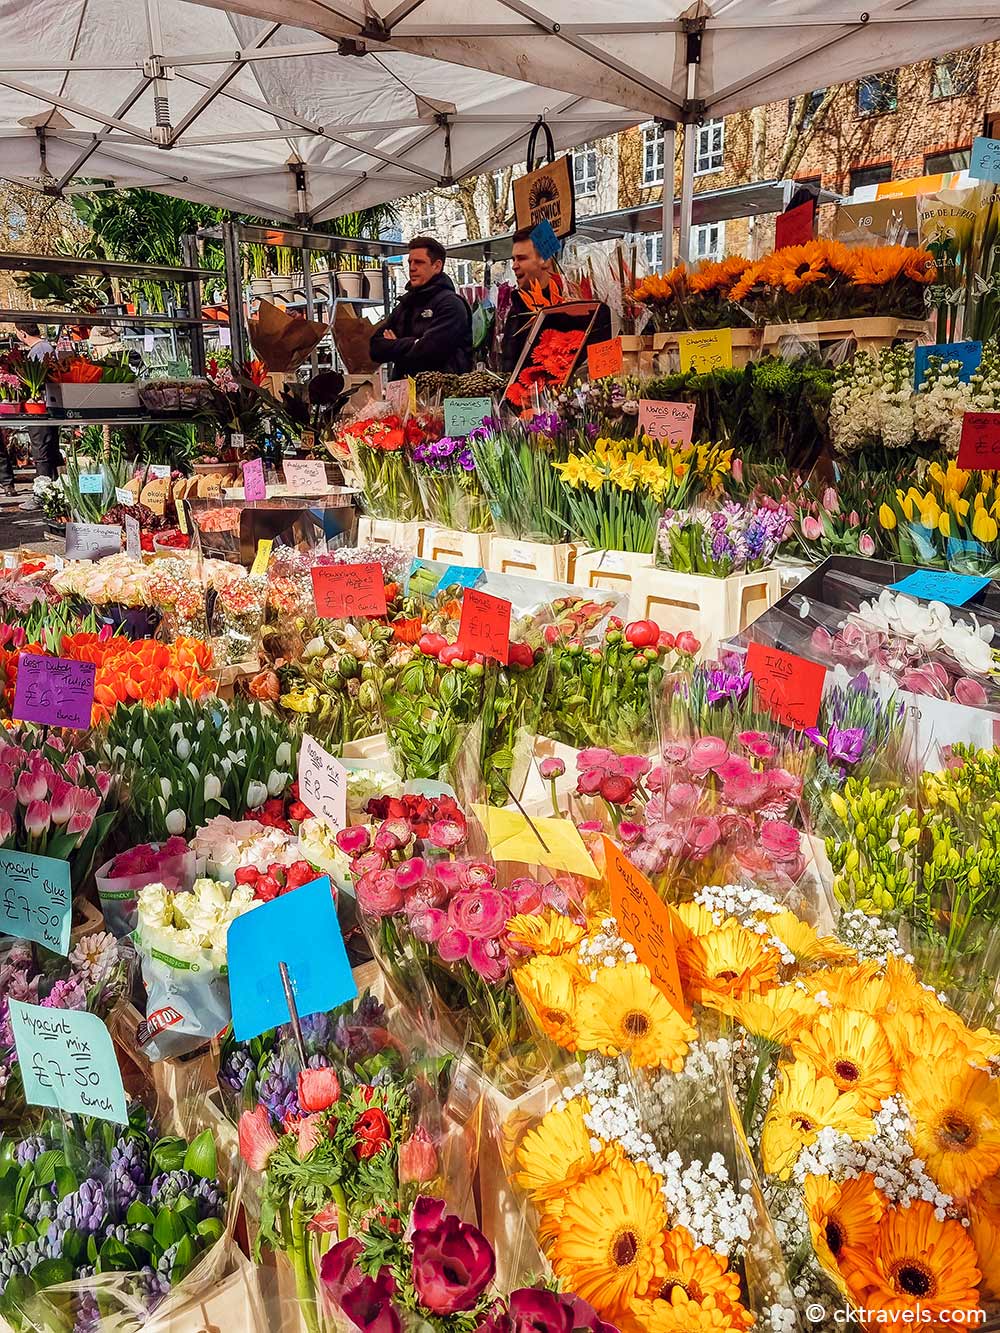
pixel 708 349
pixel 263 555
pixel 182 518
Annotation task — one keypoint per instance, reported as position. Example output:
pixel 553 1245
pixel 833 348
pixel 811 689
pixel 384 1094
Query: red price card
pixel 604 359
pixel 979 447
pixel 796 226
pixel 349 590
pixel 789 687
pixel 485 625
pixel 644 919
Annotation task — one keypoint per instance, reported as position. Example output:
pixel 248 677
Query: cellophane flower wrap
pixel 513 463
pixel 382 451
pixel 435 915
pixel 354 1135
pixel 450 490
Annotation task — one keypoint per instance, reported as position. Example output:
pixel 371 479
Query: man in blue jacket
pixel 431 327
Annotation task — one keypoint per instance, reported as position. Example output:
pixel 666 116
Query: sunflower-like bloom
pixel 802 1105
pixel 918 1264
pixel 610 1245
pixel 624 1013
pixel 956 1114
pixel 861 987
pixel 843 1219
pixel 778 1015
pixel 549 989
pixel 729 963
pixel 851 1048
pixel 548 933
pixel 698 1278
pixel 984 1227
pixel 556 1154
pixel 805 942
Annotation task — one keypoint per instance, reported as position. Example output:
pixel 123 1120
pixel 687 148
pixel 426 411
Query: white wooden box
pixel 540 560
pixel 612 570
pixel 712 609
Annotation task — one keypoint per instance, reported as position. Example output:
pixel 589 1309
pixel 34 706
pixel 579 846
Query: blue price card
pixel 985 162
pixel 968 354
pixel 36 899
pixel 428 787
pixel 545 240
pixel 940 585
pixel 301 930
pixel 68 1061
pixel 464 575
pixel 90 483
pixel 462 415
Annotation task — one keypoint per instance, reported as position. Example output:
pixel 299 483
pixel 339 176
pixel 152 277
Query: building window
pixel 875 175
pixel 585 170
pixel 708 241
pixel 956 75
pixel 812 106
pixel 653 150
pixel 708 146
pixel 877 94
pixel 428 213
pixel 653 245
pixel 463 272
pixel 939 163
pixel 991 125
pixel 500 186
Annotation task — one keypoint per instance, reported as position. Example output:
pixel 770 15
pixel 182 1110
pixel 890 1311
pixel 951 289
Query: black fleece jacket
pixel 433 328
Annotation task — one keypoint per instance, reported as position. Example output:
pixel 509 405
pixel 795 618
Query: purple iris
pixel 545 423
pixel 843 746
pixel 728 685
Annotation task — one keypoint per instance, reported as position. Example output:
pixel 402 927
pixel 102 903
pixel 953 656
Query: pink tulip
pixel 38 818
pixel 74 766
pixel 20 636
pixel 831 502
pixel 8 800
pixel 103 779
pixel 866 544
pixel 87 802
pixel 737 470
pixel 257 1139
pixel 79 824
pixel 812 528
pixel 63 801
pixel 6 826
pixel 30 788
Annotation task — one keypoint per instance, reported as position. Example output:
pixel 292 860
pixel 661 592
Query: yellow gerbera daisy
pixel 556 1153
pixel 843 1219
pixel 698 1277
pixel 861 987
pixel 549 989
pixel 933 1032
pixel 956 1114
pixel 984 1228
pixel 729 963
pixel 805 943
pixel 778 1015
pixel 710 1315
pixel 690 919
pixel 610 1244
pixel 850 1048
pixel 551 933
pixel 803 1104
pixel 624 1013
pixel 918 1264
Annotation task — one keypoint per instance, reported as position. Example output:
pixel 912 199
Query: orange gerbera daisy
pixel 696 1277
pixel 984 1227
pixel 797 266
pixel 956 1110
pixel 850 1047
pixel 729 963
pixel 843 1219
pixel 918 1264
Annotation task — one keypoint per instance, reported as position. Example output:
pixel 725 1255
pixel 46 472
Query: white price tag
pixel 236 440
pixel 123 496
pixel 133 539
pixel 614 562
pixel 225 337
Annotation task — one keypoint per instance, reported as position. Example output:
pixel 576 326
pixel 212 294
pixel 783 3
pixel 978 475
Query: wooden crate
pixel 613 571
pixel 456 548
pixel 540 560
pixel 712 609
pixel 869 335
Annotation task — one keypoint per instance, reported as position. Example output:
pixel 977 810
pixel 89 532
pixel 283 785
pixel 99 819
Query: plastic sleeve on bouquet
pixel 390 482
pixel 514 465
pixel 454 500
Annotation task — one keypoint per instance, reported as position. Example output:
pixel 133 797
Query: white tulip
pixel 165 787
pixel 256 795
pixel 213 788
pixel 283 754
pixel 183 748
pixel 176 822
pixel 277 782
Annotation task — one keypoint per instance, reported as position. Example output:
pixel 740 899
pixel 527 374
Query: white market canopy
pixel 252 114
pixel 666 58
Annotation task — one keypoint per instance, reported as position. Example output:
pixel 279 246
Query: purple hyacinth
pixel 147 1286
pixel 85 1210
pixel 168 1187
pixel 86 1314
pixel 210 1198
pixel 29 1150
pixel 236 1070
pixel 278 1091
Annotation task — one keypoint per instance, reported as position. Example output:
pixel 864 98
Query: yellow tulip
pixel 906 504
pixel 944 524
pixel 984 528
pixel 887 517
pixel 930 512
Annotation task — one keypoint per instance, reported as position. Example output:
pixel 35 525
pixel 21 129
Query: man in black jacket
pixel 431 327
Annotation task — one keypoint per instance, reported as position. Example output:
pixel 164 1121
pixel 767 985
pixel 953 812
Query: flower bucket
pixel 9 409
pixel 868 335
pixel 611 570
pixel 35 409
pixel 712 609
pixel 538 560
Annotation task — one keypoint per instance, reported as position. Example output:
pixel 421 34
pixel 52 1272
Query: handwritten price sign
pixel 54 691
pixel 979 447
pixel 68 1061
pixel 485 625
pixel 604 359
pixel 307 476
pixel 254 485
pixel 666 421
pixel 789 687
pixel 644 920
pixel 349 590
pixel 35 899
pixel 322 783
pixel 704 351
pixel 91 541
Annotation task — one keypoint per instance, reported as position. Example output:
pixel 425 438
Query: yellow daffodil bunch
pixel 954 520
pixel 617 489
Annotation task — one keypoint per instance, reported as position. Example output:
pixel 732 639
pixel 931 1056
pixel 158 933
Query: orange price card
pixel 349 590
pixel 604 359
pixel 644 919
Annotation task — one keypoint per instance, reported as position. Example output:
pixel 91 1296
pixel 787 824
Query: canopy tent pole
pixel 669 146
pixel 234 291
pixel 687 193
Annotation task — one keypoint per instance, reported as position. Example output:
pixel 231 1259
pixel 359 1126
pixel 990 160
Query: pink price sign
pixel 254 486
pixel 54 691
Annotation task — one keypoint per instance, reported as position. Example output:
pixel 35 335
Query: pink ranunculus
pixel 318 1089
pixel 378 894
pixel 410 873
pixel 590 826
pixel 479 913
pixel 552 768
pixel 673 753
pixel 596 756
pixel 736 766
pixel 354 841
pixel 812 528
pixel 780 839
pixel 589 781
pixel 428 924
pixel 393 835
pixel 707 752
pixel 617 789
pixel 970 692
pixel 257 1139
pixel 418 1159
pixel 681 796
pixel 368 863
pixel 629 832
pixel 525 895
pixel 38 818
pixel 488 959
pixel 425 893
pixel 758 743
pixel 452 945
pixel 481 873
pixel 450 875
pixel 746 792
pixel 635 766
pixel 703 833
pixel 453 1264
pixel 446 834
pixel 656 778
pixel 737 830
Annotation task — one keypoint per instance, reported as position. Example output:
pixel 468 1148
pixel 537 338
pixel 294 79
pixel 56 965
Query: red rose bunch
pixel 276 880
